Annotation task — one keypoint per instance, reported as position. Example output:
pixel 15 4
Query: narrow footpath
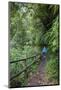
pixel 39 78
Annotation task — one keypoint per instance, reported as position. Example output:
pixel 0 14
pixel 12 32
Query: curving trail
pixel 39 78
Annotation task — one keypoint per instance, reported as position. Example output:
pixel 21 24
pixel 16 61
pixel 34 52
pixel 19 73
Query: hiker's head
pixel 44 47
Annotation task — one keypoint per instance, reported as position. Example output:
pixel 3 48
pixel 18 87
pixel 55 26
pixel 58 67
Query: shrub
pixel 52 70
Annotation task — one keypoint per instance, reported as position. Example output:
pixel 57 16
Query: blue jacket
pixel 44 50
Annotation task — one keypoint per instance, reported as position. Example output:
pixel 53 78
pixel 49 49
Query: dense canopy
pixel 33 26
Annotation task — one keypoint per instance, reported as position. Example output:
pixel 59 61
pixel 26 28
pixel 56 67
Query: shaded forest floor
pixel 40 77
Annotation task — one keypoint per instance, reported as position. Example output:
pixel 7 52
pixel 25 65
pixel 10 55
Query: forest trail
pixel 40 77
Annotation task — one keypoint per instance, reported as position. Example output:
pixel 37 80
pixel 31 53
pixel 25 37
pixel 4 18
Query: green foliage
pixel 52 70
pixel 31 27
pixel 52 37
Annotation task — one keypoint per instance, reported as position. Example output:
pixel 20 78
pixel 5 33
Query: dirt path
pixel 40 77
